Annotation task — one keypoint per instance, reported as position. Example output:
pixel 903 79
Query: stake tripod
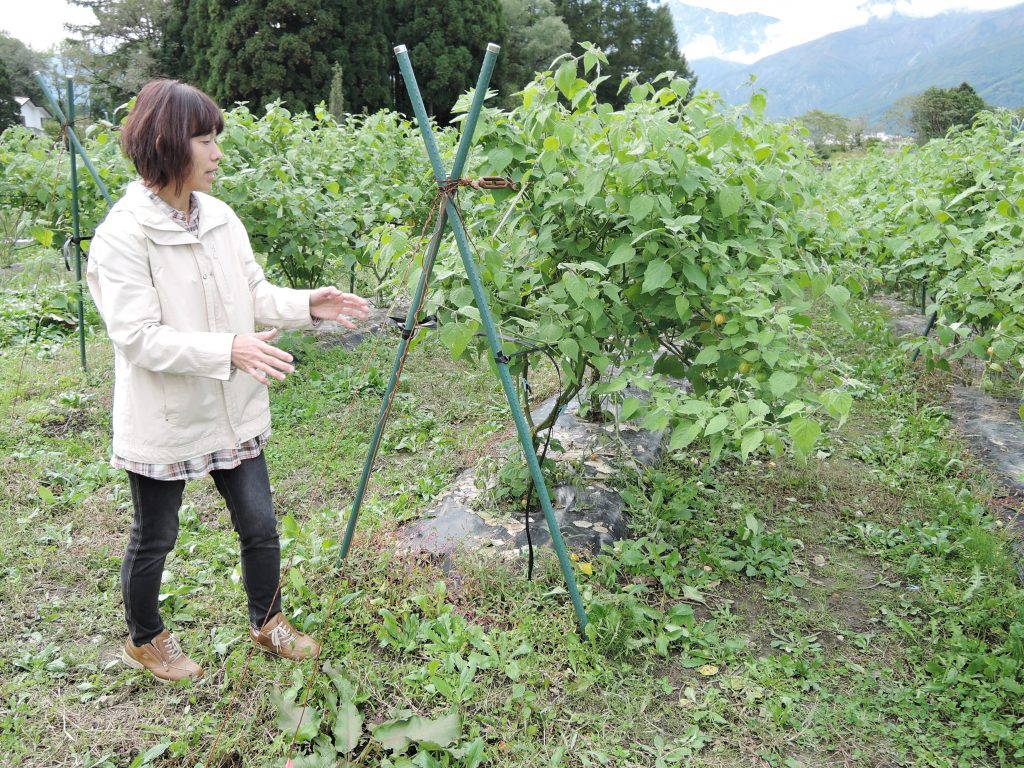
pixel 449 214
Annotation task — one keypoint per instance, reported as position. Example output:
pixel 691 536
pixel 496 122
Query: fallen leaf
pixel 587 568
pixel 708 670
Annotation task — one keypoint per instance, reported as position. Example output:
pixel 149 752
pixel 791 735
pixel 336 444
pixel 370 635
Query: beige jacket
pixel 172 305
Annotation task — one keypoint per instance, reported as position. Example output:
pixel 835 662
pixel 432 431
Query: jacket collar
pixel 159 227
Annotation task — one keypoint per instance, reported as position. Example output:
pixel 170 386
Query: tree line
pixel 304 52
pixel 928 115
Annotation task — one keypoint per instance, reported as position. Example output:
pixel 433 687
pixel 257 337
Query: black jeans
pixel 246 491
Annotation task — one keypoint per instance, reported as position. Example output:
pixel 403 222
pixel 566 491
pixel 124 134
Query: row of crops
pixel 675 238
pixel 944 221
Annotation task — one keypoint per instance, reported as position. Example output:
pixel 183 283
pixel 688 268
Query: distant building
pixel 31 116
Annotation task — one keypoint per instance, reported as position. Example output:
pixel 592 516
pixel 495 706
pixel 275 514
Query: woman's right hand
pixel 252 354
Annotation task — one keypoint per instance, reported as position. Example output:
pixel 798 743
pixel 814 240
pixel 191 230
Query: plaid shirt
pixel 200 466
pixel 189 220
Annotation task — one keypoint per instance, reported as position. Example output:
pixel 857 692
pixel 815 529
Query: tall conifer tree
pixel 364 51
pixel 635 35
pixel 446 40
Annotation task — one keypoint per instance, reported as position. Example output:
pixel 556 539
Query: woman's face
pixel 206 157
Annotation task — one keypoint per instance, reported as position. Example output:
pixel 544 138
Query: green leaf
pixel 683 308
pixel 551 143
pixel 842 318
pixel 641 206
pixel 721 135
pixel 657 275
pixel 576 287
pixel 591 180
pixel 569 349
pixel 565 78
pixel 707 356
pixel 629 406
pixel 499 158
pixel 684 434
pixel 750 442
pixel 782 382
pixel 304 723
pixel 729 200
pixel 837 402
pixel 1003 349
pixel 804 433
pixel 622 255
pixel 655 421
pixel 717 424
pixel 456 336
pixel 397 735
pixel 154 752
pixel 42 235
pixel 838 294
pixel 348 728
pixel 695 275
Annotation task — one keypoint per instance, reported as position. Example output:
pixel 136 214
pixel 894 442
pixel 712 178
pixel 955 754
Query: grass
pixel 860 609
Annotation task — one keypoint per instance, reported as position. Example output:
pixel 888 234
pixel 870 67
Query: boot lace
pixel 172 649
pixel 281 634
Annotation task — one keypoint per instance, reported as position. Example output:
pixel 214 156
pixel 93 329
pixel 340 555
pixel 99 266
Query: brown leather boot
pixel 279 637
pixel 163 657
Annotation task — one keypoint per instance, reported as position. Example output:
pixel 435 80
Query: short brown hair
pixel 158 133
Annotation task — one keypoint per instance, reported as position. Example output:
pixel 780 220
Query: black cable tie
pixel 501 358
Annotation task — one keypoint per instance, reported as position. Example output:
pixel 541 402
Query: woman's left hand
pixel 329 303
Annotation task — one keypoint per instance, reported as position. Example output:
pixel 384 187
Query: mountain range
pixel 862 71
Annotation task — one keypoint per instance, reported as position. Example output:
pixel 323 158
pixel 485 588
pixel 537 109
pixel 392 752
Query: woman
pixel 173 275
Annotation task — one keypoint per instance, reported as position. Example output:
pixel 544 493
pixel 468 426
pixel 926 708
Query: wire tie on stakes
pixel 451 186
pixel 493 182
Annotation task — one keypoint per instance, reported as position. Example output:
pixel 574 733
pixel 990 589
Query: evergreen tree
pixel 9 114
pixel 364 51
pixel 635 35
pixel 261 50
pixel 446 40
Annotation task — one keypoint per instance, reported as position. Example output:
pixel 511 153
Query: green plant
pixel 756 553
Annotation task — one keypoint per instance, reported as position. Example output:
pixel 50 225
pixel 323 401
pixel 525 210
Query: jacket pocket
pixel 190 404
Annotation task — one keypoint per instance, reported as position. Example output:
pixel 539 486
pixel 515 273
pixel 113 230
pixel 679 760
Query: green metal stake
pixel 75 231
pixel 501 361
pixel 71 135
pixel 410 321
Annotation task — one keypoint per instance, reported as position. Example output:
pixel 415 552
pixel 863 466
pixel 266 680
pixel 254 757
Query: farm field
pixel 859 609
pixel 819 572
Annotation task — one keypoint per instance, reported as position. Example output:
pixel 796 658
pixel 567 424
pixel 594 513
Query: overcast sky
pixel 39 23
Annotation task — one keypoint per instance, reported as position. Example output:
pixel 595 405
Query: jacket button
pixel 204 276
